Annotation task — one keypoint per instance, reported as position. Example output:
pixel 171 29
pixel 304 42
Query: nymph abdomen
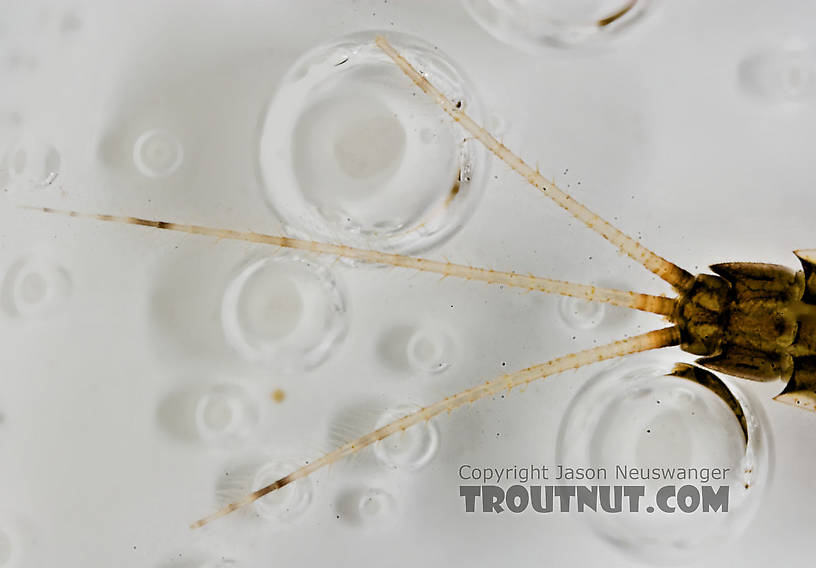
pixel 756 321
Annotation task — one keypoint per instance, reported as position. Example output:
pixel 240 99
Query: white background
pixel 657 131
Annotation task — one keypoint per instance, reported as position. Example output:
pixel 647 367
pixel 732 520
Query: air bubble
pixel 157 153
pixel 287 503
pixel 641 415
pixel 542 24
pixel 35 288
pixel 376 505
pixel 225 412
pixel 348 152
pixel 429 350
pixel 410 449
pixel 33 164
pixel 581 314
pixel 284 311
pixel 782 74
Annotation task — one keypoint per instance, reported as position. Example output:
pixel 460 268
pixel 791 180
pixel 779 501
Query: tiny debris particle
pixel 278 395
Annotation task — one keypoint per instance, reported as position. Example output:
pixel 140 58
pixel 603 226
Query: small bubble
pixel 35 287
pixel 410 449
pixel 429 350
pixel 288 502
pixel 375 505
pixel 225 412
pixel 581 314
pixel 781 74
pixel 284 310
pixel 32 163
pixel 157 153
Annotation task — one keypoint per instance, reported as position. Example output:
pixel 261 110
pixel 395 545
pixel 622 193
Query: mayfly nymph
pixel 750 320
